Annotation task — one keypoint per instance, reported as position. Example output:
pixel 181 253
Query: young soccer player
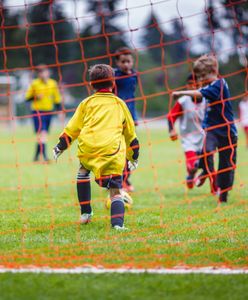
pixel 106 137
pixel 126 82
pixel 44 95
pixel 243 115
pixel 190 114
pixel 221 132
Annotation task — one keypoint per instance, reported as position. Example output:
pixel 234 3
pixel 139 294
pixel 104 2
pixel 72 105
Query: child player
pixel 44 95
pixel 190 115
pixel 243 115
pixel 106 137
pixel 221 132
pixel 126 82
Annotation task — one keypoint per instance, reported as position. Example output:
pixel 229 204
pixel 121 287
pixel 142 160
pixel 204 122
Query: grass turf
pixel 169 225
pixel 125 286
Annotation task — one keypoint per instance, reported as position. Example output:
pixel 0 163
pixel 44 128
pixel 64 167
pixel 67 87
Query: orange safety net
pixel 170 225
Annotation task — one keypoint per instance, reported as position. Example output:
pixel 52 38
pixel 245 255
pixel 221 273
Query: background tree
pixel 11 35
pixel 49 27
pixel 211 23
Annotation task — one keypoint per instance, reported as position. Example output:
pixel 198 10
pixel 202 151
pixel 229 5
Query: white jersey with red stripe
pixel 190 123
pixel 243 109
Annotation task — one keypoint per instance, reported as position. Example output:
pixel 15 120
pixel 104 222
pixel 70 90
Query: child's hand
pixel 132 165
pixel 173 135
pixel 176 95
pixel 56 152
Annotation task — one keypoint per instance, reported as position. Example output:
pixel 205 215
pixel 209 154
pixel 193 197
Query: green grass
pixel 127 286
pixel 169 225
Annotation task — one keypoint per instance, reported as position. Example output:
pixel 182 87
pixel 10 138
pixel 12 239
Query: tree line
pixel 41 34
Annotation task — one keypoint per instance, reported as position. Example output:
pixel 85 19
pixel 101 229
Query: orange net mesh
pixel 169 224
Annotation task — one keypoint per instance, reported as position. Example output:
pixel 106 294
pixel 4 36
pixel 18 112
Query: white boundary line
pixel 93 270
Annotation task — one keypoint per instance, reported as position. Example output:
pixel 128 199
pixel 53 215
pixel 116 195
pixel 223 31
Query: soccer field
pixel 169 226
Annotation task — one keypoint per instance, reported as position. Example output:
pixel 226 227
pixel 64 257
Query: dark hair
pixel 191 77
pixel 122 51
pixel 101 76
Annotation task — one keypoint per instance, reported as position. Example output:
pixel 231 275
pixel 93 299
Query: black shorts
pixel 111 181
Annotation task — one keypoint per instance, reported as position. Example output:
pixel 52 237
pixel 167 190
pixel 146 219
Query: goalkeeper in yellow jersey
pixel 106 136
pixel 44 95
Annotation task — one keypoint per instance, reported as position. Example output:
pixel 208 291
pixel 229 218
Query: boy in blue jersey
pixel 125 84
pixel 221 132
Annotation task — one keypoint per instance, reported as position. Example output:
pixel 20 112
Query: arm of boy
pixel 132 142
pixel 195 94
pixel 172 116
pixel 29 96
pixel 71 132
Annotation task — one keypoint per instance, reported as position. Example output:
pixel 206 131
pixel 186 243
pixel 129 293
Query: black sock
pixel 43 149
pixel 84 193
pixel 223 197
pixel 117 211
pixel 37 152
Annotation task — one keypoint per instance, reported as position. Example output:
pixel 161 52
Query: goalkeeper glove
pixel 56 152
pixel 132 165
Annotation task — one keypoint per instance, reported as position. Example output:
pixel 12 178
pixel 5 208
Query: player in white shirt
pixel 190 115
pixel 243 115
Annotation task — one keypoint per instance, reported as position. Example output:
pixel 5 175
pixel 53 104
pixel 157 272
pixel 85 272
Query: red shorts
pixel 191 160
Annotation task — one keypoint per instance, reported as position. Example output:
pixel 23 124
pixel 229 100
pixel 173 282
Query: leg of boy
pixel 246 135
pixel 117 207
pixel 84 190
pixel 210 145
pixel 227 165
pixel 114 184
pixel 191 165
pixel 126 175
pixel 37 129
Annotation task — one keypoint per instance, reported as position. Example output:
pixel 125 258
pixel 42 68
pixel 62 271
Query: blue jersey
pixel 125 88
pixel 220 113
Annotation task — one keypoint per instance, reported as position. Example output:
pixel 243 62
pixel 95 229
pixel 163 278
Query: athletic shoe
pixel 190 181
pixel 86 218
pixel 200 180
pixel 119 228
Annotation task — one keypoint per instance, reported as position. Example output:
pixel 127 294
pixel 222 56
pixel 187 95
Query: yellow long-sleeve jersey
pixel 105 130
pixel 43 94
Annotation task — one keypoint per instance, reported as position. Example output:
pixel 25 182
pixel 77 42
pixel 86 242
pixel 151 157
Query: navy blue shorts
pixel 111 181
pixel 41 122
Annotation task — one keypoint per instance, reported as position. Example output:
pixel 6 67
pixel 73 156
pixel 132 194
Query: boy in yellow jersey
pixel 106 136
pixel 44 95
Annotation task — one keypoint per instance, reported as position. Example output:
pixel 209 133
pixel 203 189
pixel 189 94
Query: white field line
pixel 93 270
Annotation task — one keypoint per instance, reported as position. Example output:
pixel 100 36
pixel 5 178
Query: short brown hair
pixel 122 51
pixel 206 64
pixel 101 76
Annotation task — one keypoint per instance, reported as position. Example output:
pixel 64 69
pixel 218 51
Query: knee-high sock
pixel 43 150
pixel 117 211
pixel 37 151
pixel 84 192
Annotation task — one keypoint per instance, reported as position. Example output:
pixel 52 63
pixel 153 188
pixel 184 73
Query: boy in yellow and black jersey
pixel 106 136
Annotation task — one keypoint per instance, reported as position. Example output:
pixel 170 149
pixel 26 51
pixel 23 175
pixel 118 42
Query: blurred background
pixel 72 35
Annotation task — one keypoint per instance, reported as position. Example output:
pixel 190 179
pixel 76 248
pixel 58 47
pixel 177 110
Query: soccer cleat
pixel 86 218
pixel 119 228
pixel 190 181
pixel 200 180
